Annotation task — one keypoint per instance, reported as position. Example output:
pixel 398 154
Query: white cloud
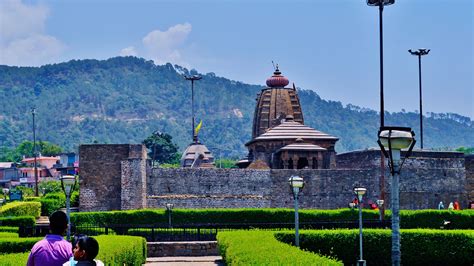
pixel 22 38
pixel 163 46
pixel 128 51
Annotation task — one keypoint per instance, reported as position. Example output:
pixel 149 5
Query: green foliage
pixel 26 191
pixel 131 98
pixel 161 148
pixel 122 250
pixel 9 229
pixel 26 149
pixel 52 202
pixel 17 245
pixel 14 259
pixel 435 219
pixel 52 186
pixel 418 246
pixel 261 248
pixel 225 163
pixel 21 208
pixel 466 150
pixel 8 234
pixel 18 221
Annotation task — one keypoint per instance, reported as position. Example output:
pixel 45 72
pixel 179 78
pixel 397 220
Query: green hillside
pixel 125 99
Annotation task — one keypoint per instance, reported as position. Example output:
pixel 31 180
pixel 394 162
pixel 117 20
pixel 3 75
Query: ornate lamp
pixel 296 183
pixel 380 2
pixel 360 191
pixel 67 183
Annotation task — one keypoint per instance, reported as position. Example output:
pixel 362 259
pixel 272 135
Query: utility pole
pixel 33 112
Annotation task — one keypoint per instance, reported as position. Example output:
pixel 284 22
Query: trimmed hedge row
pixel 9 229
pixel 17 245
pixel 18 221
pixel 418 246
pixel 409 218
pixel 122 250
pixel 261 248
pixel 113 250
pixel 21 208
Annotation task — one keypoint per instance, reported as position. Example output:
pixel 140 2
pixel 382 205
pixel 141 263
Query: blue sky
pixel 330 46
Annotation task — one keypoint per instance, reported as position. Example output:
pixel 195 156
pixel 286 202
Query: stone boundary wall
pixel 182 249
pixel 470 177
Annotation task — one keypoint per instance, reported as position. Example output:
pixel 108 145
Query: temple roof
pixel 289 129
pixel 300 145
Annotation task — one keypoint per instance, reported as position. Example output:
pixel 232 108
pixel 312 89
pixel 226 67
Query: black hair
pixel 58 222
pixel 90 246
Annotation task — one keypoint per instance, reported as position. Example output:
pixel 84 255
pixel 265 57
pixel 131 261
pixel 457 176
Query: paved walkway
pixel 181 261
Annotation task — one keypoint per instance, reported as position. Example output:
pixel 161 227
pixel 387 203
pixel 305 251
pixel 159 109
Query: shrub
pixel 418 246
pixel 20 208
pixel 18 221
pixel 120 250
pixel 14 259
pixel 435 219
pixel 10 229
pixel 17 245
pixel 261 248
pixel 48 206
pixel 8 234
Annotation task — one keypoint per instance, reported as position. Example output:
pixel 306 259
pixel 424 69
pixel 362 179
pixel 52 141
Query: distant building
pixel 68 164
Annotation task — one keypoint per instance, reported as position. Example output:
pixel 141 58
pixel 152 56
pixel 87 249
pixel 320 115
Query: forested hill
pixel 125 99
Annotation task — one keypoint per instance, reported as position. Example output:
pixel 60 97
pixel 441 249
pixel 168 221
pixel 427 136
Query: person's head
pixel 58 222
pixel 86 249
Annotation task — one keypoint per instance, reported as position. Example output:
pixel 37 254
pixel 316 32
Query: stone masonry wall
pixel 101 174
pixel 133 185
pixel 470 177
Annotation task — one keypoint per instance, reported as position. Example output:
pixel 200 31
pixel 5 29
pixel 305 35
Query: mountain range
pixel 126 99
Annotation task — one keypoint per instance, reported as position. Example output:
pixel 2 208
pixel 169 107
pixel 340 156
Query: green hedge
pixel 418 246
pixel 18 221
pixel 17 245
pixel 14 259
pixel 9 229
pixel 409 219
pixel 120 250
pixel 21 208
pixel 261 248
pixel 8 234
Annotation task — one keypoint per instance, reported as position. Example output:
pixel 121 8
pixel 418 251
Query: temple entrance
pixel 302 163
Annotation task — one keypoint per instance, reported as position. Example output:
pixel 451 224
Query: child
pixel 85 249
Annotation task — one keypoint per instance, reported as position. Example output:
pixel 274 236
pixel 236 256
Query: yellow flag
pixel 196 131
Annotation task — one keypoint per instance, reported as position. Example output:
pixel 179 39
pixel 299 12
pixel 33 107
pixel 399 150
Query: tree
pixel 26 149
pixel 161 148
pixel 466 150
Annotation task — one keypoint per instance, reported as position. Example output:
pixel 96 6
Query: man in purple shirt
pixel 53 249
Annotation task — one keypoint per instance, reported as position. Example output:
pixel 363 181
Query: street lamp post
pixel 169 208
pixel 296 183
pixel 5 192
pixel 381 4
pixel 360 191
pixel 421 52
pixel 395 139
pixel 380 205
pixel 67 183
pixel 192 79
pixel 33 112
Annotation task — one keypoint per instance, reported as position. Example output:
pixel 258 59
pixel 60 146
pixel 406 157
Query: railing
pixel 194 232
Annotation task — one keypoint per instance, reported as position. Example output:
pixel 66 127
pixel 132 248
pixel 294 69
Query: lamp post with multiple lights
pixel 395 139
pixel 420 52
pixel 192 79
pixel 296 183
pixel 360 191
pixel 67 183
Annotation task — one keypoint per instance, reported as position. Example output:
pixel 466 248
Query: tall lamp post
pixel 381 4
pixel 360 191
pixel 421 52
pixel 391 141
pixel 380 205
pixel 5 192
pixel 169 208
pixel 192 79
pixel 67 183
pixel 296 183
pixel 33 113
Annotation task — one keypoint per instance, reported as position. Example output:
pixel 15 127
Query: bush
pixel 418 246
pixel 48 206
pixel 8 234
pixel 14 259
pixel 17 245
pixel 18 221
pixel 261 248
pixel 21 208
pixel 409 219
pixel 120 250
pixel 9 229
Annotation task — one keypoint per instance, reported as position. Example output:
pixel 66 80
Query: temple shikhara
pixel 280 140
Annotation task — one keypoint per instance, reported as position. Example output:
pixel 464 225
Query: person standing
pixel 53 250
